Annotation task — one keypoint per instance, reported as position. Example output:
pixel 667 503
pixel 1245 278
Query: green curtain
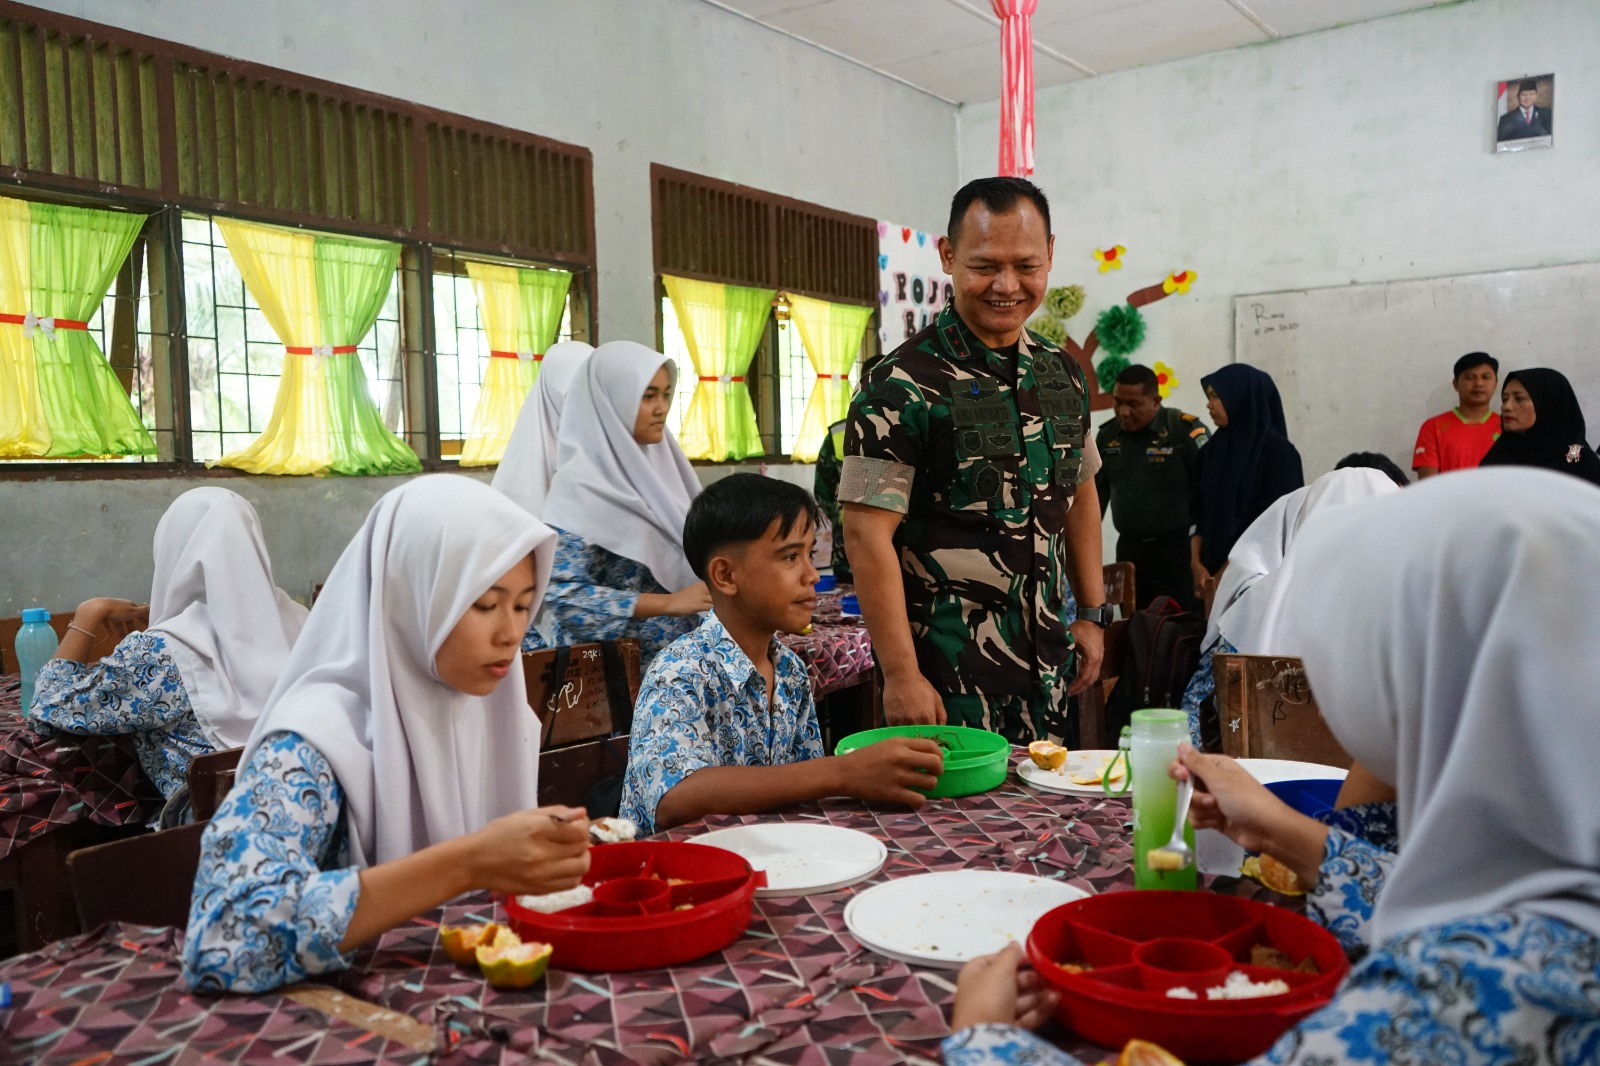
pixel 748 313
pixel 544 298
pixel 352 282
pixel 76 253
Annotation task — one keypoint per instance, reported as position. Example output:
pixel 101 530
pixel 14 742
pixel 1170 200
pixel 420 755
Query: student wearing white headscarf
pixel 195 679
pixel 620 493
pixel 1442 632
pixel 529 461
pixel 1246 613
pixel 396 764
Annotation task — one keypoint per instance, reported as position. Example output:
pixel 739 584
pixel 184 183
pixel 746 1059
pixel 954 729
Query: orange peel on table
pixel 1047 755
pixel 515 965
pixel 1274 874
pixel 1144 1053
pixel 1095 777
pixel 460 942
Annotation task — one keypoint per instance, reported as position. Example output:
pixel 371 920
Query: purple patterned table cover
pixel 796 988
pixel 47 782
pixel 837 651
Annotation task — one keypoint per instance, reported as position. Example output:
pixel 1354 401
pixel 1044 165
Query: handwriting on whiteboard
pixel 1271 321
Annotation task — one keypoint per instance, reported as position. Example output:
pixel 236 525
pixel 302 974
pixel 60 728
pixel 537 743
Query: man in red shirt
pixel 1458 439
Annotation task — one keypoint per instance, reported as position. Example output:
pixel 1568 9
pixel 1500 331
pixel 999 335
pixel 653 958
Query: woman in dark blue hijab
pixel 1248 464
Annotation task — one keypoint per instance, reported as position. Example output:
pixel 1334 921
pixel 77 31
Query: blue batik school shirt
pixel 134 691
pixel 703 703
pixel 591 597
pixel 276 889
pixel 1499 989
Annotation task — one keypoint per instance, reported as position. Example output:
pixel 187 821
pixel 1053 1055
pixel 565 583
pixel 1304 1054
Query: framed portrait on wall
pixel 1525 113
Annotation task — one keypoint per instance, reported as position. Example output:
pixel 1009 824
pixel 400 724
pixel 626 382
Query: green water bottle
pixel 1156 736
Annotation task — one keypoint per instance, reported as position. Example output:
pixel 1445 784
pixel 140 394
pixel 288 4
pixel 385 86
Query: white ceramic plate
pixel 1270 771
pixel 942 920
pixel 802 859
pixel 1078 762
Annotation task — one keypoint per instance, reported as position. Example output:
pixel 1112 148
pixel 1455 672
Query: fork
pixel 1175 854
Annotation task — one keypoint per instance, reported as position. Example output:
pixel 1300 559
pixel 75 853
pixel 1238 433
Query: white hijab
pixel 1446 635
pixel 530 459
pixel 227 626
pixel 1255 624
pixel 362 686
pixel 1258 552
pixel 630 499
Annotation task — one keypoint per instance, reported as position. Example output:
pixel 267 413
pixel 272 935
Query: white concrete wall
pixel 636 81
pixel 1358 154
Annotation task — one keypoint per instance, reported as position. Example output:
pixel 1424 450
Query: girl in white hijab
pixel 396 764
pixel 621 491
pixel 1246 614
pixel 195 679
pixel 530 460
pixel 1443 632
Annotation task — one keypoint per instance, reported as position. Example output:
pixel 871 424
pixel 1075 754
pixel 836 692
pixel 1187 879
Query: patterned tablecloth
pixel 48 782
pixel 838 650
pixel 796 988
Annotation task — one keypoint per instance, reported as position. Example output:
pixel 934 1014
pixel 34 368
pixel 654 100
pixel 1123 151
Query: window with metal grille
pixel 715 231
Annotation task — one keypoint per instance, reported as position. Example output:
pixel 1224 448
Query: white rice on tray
pixel 1237 986
pixel 558 901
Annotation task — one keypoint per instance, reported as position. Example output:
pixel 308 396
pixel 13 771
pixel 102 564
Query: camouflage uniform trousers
pixel 1021 719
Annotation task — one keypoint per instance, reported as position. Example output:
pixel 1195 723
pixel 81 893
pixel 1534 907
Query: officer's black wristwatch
pixel 1100 616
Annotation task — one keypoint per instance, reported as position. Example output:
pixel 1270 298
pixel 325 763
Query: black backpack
pixel 1163 651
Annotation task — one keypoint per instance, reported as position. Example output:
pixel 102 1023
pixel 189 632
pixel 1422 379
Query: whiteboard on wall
pixel 1360 367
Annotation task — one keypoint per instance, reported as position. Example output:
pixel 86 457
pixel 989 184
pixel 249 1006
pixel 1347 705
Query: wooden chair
pixel 583 696
pixel 1268 711
pixel 146 880
pixel 210 777
pixel 1121 588
pixel 1092 703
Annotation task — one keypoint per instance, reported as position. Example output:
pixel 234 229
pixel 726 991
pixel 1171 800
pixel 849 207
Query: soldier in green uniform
pixel 825 487
pixel 968 492
pixel 1149 454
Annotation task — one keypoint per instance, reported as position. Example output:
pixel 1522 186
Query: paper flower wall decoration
pixel 1178 282
pixel 1051 329
pixel 1064 302
pixel 1166 378
pixel 1120 329
pixel 1110 258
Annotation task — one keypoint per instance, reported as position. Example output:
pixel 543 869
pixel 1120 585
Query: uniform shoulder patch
pixel 1197 431
pixel 1189 418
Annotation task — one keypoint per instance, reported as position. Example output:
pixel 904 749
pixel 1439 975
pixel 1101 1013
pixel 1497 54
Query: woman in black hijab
pixel 1248 464
pixel 1541 424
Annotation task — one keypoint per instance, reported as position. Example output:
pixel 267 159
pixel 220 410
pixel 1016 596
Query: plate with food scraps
pixel 802 858
pixel 1078 776
pixel 943 920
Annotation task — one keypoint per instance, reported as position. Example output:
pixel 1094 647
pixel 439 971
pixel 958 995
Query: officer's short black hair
pixel 998 195
pixel 737 510
pixel 1473 360
pixel 1374 461
pixel 1142 376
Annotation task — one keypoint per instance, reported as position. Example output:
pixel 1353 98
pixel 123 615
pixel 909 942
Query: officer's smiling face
pixel 1000 263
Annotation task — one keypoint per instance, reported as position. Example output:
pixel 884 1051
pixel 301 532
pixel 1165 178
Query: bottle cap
pixel 35 614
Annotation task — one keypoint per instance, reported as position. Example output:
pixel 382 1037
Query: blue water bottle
pixel 36 645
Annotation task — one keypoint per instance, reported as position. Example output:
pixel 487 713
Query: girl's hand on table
pixel 999 989
pixel 531 852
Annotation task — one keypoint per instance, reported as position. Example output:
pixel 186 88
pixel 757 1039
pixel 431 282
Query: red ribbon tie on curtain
pixel 321 349
pixel 1016 91
pixel 526 357
pixel 725 378
pixel 32 323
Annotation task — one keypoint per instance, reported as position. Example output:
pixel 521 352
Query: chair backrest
pixel 570 690
pixel 1268 711
pixel 145 880
pixel 1121 587
pixel 210 777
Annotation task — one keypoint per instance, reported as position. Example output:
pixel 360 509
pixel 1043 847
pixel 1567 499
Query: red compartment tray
pixel 719 888
pixel 1118 1000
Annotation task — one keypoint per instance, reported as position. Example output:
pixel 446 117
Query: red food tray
pixel 719 887
pixel 1138 944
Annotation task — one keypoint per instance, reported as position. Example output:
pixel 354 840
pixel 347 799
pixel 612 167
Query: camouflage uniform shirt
pixel 982 452
pixel 825 487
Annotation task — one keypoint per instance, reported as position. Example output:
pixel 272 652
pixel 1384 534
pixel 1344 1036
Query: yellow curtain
pixel 832 335
pixel 722 327
pixel 23 430
pixel 521 311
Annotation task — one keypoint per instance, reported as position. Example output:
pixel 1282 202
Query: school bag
pixel 1162 653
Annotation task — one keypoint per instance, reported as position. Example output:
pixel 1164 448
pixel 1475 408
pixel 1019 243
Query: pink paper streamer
pixel 1016 95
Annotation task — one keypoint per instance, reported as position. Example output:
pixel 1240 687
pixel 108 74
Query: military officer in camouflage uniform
pixel 1149 454
pixel 968 492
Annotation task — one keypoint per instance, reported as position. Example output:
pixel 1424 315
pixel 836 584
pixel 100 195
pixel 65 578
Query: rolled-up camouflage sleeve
pixel 886 432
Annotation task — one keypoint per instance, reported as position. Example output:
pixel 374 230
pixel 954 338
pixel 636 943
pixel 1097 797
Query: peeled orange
pixel 1047 755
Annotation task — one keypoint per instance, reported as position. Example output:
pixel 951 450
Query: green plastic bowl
pixel 975 760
